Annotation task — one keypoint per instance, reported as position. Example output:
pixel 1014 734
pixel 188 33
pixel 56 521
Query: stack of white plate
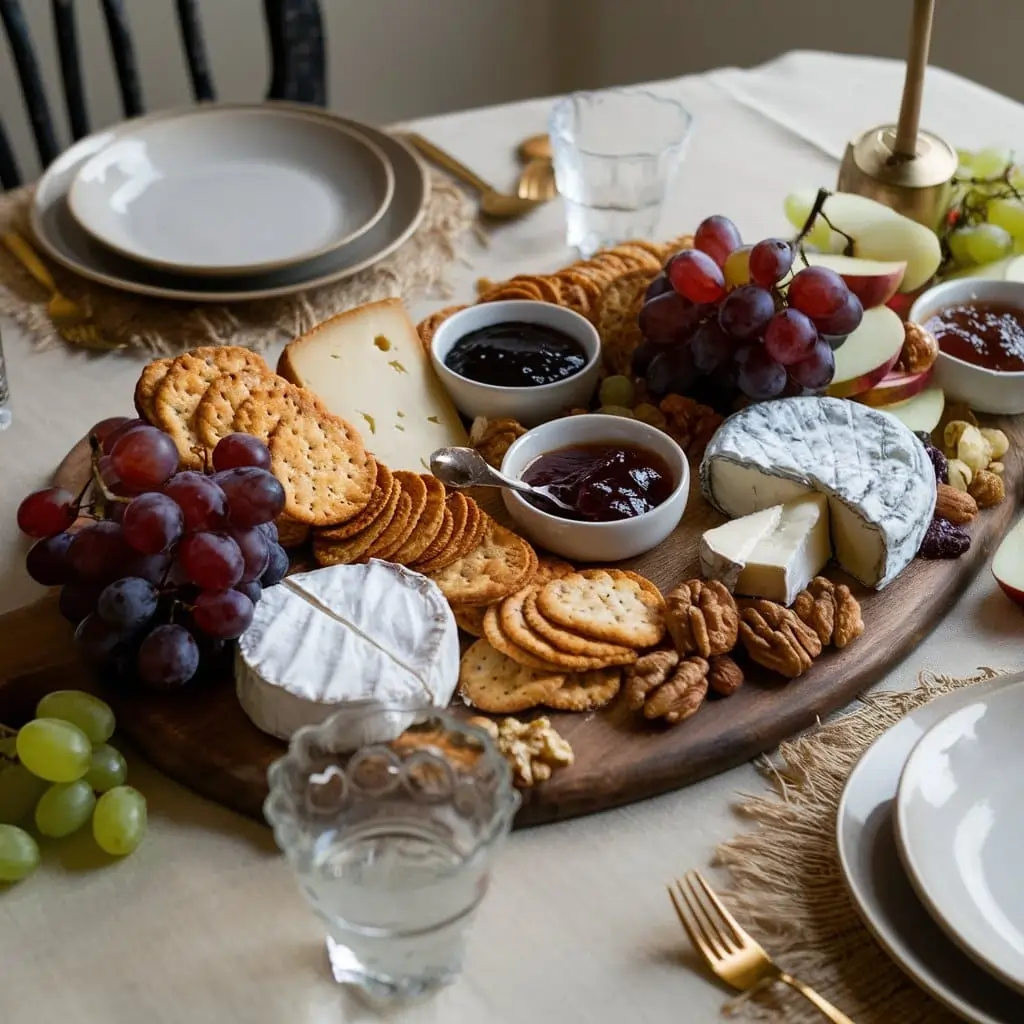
pixel 223 203
pixel 931 845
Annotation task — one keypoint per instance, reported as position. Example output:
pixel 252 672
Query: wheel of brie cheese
pixel 875 473
pixel 347 636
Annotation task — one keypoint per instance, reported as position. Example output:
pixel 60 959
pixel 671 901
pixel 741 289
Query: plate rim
pixel 951 999
pixel 913 868
pixel 130 128
pixel 130 286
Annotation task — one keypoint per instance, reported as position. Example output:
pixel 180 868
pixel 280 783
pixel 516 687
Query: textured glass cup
pixel 615 153
pixel 5 392
pixel 390 817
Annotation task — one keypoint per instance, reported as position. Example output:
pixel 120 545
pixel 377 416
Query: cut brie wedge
pixel 772 554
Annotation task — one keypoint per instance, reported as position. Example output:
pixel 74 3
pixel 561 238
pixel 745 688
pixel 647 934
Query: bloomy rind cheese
pixel 875 472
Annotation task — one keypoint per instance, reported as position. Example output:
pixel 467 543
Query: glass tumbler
pixel 615 154
pixel 391 817
pixel 5 392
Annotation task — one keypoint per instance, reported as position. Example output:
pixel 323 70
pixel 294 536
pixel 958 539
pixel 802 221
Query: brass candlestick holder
pixel 907 169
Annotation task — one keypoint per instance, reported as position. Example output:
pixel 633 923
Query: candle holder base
pixel 917 186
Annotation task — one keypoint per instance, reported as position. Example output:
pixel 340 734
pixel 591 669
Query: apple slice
pixel 874 282
pixel 880 233
pixel 922 412
pixel 1015 269
pixel 867 355
pixel 1008 564
pixel 896 387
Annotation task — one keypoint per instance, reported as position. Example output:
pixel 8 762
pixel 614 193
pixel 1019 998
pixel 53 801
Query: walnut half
pixel 774 637
pixel 920 349
pixel 663 685
pixel 532 749
pixel 702 618
pixel 831 611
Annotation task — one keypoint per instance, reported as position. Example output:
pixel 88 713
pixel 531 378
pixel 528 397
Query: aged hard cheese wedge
pixel 875 473
pixel 369 366
pixel 772 554
pixel 341 637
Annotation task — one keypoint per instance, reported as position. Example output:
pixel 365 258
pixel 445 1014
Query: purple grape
pixel 47 560
pixel 252 590
pixel 97 639
pixel 77 600
pixel 168 657
pixel 717 236
pixel 791 336
pixel 98 552
pixel 223 614
pixel 710 346
pixel 843 322
pixel 659 286
pixel 642 356
pixel 668 319
pixel 672 372
pixel 255 550
pixel 770 261
pixel 254 495
pixel 761 377
pixel 816 370
pixel 127 603
pixel 278 567
pixel 152 522
pixel 746 311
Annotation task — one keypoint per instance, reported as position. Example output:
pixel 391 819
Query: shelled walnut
pixel 775 637
pixel 663 685
pixel 831 611
pixel 702 618
pixel 492 438
pixel 920 349
pixel 532 749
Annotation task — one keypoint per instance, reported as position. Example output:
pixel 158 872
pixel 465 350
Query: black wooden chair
pixel 298 68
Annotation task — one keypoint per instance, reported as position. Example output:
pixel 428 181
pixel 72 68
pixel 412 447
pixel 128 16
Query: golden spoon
pixel 536 147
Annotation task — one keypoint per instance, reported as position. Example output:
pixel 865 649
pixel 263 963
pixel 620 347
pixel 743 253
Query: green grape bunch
pixel 985 219
pixel 59 773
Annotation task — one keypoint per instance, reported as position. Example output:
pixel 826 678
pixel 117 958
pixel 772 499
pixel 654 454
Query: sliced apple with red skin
pixel 896 387
pixel 874 282
pixel 867 355
pixel 922 412
pixel 1008 564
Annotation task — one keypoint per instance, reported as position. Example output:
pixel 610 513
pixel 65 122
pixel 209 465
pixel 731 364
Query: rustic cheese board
pixel 203 739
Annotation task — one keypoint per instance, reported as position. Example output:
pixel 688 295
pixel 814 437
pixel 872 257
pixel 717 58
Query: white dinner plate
pixel 880 889
pixel 226 190
pixel 62 239
pixel 960 828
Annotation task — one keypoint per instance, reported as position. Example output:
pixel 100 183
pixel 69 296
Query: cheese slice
pixel 772 554
pixel 346 637
pixel 369 367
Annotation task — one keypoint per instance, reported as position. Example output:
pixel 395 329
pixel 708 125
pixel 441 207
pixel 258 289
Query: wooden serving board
pixel 202 738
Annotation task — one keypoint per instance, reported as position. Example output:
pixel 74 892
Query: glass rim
pixel 688 119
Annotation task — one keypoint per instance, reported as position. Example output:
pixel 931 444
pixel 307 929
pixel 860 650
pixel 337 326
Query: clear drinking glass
pixel 5 392
pixel 615 153
pixel 390 817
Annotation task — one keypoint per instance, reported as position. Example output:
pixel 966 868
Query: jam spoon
pixel 465 467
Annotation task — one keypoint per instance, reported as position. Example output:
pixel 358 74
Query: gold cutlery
pixel 729 951
pixel 536 147
pixel 492 202
pixel 537 181
pixel 73 323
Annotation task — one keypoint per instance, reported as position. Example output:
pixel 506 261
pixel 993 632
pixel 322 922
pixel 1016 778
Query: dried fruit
pixel 944 539
pixel 702 618
pixel 960 475
pixel 956 506
pixel 724 676
pixel 776 638
pixel 987 489
pixel 939 462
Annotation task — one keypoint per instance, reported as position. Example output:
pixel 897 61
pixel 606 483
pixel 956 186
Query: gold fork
pixel 730 952
pixel 73 323
pixel 537 182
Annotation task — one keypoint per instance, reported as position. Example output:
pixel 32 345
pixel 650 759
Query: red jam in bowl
pixel 988 334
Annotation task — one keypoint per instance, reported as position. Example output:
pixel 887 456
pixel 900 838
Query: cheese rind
pixel 347 636
pixel 772 554
pixel 369 366
pixel 875 473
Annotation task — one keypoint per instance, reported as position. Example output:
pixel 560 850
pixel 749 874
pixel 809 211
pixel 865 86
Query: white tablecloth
pixel 204 923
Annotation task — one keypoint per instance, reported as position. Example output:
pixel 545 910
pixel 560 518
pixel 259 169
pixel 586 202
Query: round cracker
pixel 327 474
pixel 470 619
pixel 273 400
pixel 513 625
pixel 330 551
pixel 564 639
pixel 500 641
pixel 439 543
pixel 458 505
pixel 397 531
pixel 549 568
pixel 215 413
pixel 491 682
pixel 382 488
pixel 586 691
pixel 605 605
pixel 476 524
pixel 498 566
pixel 428 523
pixel 291 534
pixel 648 585
pixel 145 389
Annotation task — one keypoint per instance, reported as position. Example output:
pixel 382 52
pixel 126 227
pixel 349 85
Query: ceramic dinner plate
pixel 63 239
pixel 879 886
pixel 230 191
pixel 960 828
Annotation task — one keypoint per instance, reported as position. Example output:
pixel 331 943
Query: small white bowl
pixel 597 542
pixel 993 391
pixel 529 405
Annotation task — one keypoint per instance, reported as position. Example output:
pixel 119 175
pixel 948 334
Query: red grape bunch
pixel 172 563
pixel 724 317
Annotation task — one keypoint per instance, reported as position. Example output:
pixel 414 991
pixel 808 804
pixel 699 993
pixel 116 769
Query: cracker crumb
pixel 370 422
pixel 382 343
pixel 396 365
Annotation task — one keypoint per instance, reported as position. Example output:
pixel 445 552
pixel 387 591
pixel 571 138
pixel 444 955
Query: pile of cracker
pixel 561 641
pixel 581 286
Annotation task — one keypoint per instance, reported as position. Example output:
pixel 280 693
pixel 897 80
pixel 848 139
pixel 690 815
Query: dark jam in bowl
pixel 989 334
pixel 602 482
pixel 516 355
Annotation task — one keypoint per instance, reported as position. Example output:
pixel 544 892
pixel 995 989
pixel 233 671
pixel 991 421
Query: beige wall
pixel 393 59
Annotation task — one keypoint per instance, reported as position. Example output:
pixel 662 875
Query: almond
pixel 955 506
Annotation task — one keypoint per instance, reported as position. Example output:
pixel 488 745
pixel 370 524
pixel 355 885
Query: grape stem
pixel 816 211
pixel 97 479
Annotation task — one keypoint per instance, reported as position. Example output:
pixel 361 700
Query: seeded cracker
pixel 397 530
pixel 327 474
pixel 491 682
pixel 501 642
pixel 470 619
pixel 270 402
pixel 437 557
pixel 564 639
pixel 438 544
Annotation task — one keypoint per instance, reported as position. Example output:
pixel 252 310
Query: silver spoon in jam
pixel 459 468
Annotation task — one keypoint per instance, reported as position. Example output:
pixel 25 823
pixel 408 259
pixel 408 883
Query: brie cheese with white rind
pixel 875 473
pixel 346 637
pixel 772 554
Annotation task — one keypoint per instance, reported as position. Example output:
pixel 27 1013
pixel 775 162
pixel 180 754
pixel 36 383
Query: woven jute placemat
pixel 786 882
pixel 158 326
